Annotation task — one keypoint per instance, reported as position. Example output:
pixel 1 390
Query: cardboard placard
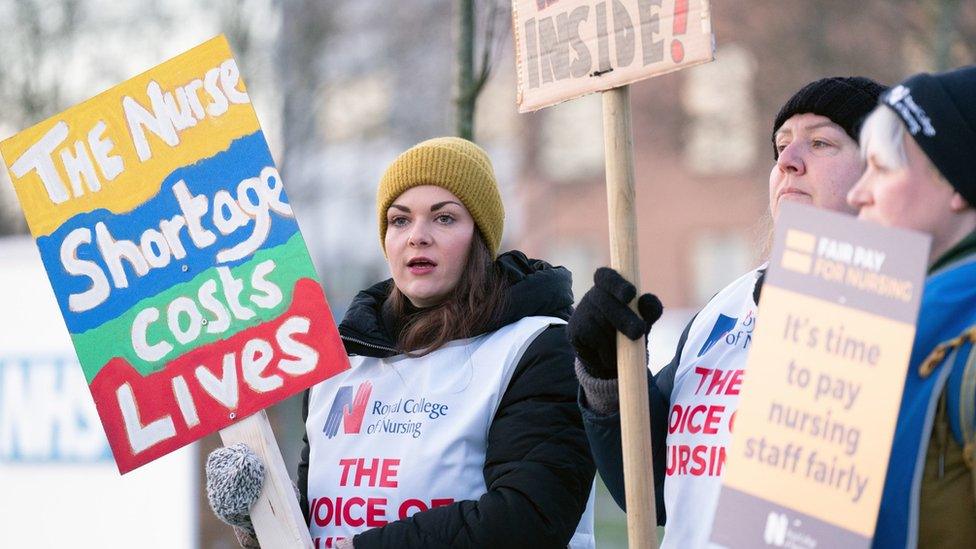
pixel 174 254
pixel 815 422
pixel 568 48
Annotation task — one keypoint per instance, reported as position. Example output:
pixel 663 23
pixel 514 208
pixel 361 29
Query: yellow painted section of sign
pixel 140 178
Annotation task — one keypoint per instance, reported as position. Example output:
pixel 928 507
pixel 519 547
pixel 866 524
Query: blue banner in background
pixel 47 414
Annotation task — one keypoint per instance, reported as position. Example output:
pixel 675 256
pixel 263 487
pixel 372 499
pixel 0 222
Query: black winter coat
pixel 538 468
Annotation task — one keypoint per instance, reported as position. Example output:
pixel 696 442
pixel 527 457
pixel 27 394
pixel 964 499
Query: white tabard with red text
pixel 392 437
pixel 702 410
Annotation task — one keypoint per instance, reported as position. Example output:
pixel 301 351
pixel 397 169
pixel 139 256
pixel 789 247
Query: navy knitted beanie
pixel 939 111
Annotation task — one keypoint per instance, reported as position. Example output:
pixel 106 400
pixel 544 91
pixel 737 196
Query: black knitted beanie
pixel 844 100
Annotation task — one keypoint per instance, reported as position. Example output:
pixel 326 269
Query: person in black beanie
pixel 693 399
pixel 920 143
pixel 845 101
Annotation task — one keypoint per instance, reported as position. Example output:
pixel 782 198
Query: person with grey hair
pixel 919 144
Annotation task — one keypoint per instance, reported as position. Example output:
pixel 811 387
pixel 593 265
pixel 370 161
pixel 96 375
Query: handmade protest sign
pixel 568 48
pixel 174 254
pixel 821 393
pixel 562 51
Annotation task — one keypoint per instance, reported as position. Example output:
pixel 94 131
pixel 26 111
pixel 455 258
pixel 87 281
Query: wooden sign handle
pixel 276 515
pixel 635 422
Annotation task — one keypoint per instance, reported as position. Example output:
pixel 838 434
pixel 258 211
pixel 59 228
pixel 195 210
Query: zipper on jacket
pixel 365 344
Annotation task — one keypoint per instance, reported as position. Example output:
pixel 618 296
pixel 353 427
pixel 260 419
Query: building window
pixel 580 258
pixel 718 98
pixel 718 258
pixel 571 146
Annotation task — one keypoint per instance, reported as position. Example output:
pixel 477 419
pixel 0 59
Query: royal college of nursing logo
pixel 915 118
pixel 723 325
pixel 724 331
pixel 348 410
pixel 403 416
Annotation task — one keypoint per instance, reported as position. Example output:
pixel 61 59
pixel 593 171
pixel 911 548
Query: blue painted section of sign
pixel 245 159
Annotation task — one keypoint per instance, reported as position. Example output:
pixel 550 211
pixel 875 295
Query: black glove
pixel 604 311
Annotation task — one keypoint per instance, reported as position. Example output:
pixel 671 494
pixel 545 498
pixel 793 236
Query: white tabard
pixel 702 411
pixel 392 437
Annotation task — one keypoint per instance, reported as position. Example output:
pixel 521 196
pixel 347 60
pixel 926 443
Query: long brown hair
pixel 476 302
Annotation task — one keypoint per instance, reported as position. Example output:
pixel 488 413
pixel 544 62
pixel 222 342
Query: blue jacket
pixel 948 309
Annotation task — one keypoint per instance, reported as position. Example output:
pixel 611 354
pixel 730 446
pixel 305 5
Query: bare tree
pixel 494 26
pixel 32 35
pixel 301 48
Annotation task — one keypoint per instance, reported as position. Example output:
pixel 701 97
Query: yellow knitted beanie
pixel 457 165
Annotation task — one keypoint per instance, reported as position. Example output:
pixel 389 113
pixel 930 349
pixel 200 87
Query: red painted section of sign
pixel 156 399
pixel 680 27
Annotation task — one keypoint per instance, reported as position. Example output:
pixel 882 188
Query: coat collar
pixel 535 288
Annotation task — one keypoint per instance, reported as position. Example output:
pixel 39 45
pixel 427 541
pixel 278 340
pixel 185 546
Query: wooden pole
pixel 276 515
pixel 635 422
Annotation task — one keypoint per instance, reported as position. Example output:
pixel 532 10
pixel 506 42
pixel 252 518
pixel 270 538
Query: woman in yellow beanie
pixel 457 425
